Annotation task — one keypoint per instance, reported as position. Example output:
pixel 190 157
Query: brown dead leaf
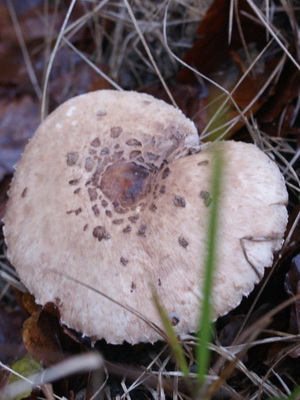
pixel 225 58
pixel 213 48
pixel 42 333
pixel 28 303
pixel 226 118
pixel 287 89
pixel 278 115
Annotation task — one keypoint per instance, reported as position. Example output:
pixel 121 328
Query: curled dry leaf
pixel 213 47
pixel 42 332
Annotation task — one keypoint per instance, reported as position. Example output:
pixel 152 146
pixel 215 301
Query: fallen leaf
pixel 213 47
pixel 42 333
pixel 26 366
pixel 223 55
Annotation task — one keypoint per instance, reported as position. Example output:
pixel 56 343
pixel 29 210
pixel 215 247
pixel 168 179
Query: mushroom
pixel 113 191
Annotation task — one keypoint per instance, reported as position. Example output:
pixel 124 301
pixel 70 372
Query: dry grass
pixel 136 44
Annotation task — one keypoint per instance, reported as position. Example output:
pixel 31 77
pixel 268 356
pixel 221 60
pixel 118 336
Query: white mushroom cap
pixel 107 192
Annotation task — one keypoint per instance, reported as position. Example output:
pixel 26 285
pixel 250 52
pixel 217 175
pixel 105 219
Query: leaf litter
pixel 248 90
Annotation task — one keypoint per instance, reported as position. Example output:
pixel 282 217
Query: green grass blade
pixel 205 326
pixel 171 336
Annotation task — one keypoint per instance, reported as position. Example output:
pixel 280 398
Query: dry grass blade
pixel 248 338
pixel 275 34
pixel 153 62
pixel 180 61
pixel 51 60
pixel 26 56
pixel 92 65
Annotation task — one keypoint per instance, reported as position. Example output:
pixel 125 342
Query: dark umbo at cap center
pixel 125 183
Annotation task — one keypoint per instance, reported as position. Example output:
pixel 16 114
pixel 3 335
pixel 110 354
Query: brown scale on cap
pixel 127 229
pixel 183 242
pixel 124 261
pixel 142 230
pixel 152 156
pixel 202 163
pixel 134 154
pixel 72 158
pixel 127 208
pixel 140 160
pixel 104 203
pixel 134 218
pixel 165 173
pixel 24 192
pixel 115 132
pixel 174 319
pixel 153 207
pixel 205 195
pixel 133 142
pixel 100 233
pixel 162 189
pixel 74 182
pixel 96 142
pixel 179 201
pixel 132 286
pixel 89 164
pixel 92 194
pixel 76 212
pixel 118 221
pixel 117 157
pixel 104 151
pixel 96 210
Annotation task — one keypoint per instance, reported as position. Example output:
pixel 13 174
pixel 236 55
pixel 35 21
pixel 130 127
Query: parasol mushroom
pixel 113 190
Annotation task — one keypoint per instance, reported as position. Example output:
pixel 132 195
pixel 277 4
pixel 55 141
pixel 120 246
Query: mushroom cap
pixel 108 192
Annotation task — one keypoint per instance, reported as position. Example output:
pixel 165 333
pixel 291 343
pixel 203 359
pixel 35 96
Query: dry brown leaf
pixel 42 334
pixel 212 49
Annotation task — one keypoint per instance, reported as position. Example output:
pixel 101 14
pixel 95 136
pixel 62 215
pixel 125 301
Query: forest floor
pixel 233 68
